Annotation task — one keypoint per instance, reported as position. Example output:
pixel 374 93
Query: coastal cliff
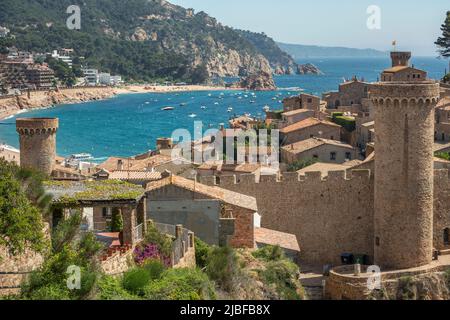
pixel 145 40
pixel 42 99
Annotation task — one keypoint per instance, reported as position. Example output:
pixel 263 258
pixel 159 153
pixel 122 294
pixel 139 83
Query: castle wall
pixel 329 217
pixel 441 208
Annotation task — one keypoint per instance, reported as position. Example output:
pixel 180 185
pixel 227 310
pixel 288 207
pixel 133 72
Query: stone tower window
pixel 447 236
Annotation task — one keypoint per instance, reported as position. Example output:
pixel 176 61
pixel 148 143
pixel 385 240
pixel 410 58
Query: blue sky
pixel 415 24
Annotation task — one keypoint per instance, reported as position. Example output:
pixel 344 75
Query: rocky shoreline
pixel 12 105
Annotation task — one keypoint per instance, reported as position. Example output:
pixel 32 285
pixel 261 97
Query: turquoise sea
pixel 130 124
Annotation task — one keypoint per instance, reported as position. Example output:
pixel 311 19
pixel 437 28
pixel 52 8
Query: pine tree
pixel 444 42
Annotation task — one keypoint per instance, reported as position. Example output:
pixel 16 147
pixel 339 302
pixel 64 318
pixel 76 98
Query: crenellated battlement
pixel 38 126
pixel 380 92
pixel 287 177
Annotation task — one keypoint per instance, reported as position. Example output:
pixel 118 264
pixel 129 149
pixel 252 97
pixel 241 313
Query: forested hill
pixel 140 39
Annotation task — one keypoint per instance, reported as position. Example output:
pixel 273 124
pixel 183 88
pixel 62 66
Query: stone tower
pixel 37 143
pixel 400 58
pixel 404 130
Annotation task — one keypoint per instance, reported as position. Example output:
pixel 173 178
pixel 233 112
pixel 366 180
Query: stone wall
pixel 329 216
pixel 441 208
pixel 14 270
pixel 117 263
pixel 342 284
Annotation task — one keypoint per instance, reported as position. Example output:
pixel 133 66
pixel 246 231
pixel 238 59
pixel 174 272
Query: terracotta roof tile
pixel 306 124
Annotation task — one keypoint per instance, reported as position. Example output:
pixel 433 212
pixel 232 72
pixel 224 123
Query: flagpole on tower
pixel 394 44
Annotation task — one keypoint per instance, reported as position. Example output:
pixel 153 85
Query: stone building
pixel 350 93
pixel 323 150
pixel 442 125
pixel 217 216
pixel 294 116
pixel 303 101
pixel 309 128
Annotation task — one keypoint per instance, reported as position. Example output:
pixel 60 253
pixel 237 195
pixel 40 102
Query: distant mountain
pixel 298 51
pixel 141 39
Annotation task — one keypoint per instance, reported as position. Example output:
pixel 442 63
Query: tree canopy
pixel 21 223
pixel 443 42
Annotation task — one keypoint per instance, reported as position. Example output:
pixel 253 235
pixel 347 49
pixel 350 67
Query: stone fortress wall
pixel 329 216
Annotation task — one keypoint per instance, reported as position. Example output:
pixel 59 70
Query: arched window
pixel 447 236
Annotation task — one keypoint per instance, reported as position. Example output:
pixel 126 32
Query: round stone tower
pixel 400 58
pixel 404 131
pixel 37 143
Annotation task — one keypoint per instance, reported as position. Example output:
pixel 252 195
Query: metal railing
pixel 139 233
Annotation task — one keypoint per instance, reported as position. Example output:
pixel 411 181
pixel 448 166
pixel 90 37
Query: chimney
pixel 119 165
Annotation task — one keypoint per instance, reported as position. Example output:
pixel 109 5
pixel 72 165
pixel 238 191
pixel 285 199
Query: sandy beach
pixel 10 106
pixel 166 89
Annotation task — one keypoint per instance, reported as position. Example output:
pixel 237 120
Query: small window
pixel 332 138
pixel 377 241
pixel 333 156
pixel 447 237
pixel 309 100
pixel 315 156
pixel 348 156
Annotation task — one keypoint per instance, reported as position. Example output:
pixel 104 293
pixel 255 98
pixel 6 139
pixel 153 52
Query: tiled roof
pixel 135 165
pixel 324 168
pixel 400 68
pixel 234 198
pixel 313 143
pixel 306 124
pixel 276 238
pixel 295 112
pixel 135 175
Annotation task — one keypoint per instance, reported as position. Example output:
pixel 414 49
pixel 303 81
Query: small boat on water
pixel 230 109
pixel 203 107
pixel 266 108
pixel 147 102
pixel 183 104
pixel 168 108
pixel 216 103
pixel 192 115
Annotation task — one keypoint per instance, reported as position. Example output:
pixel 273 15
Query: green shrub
pixel 116 221
pixel 135 280
pixel 447 277
pixel 406 289
pixel 164 242
pixel 181 284
pixel 110 288
pixel 283 274
pixel 50 292
pixel 222 267
pixel 443 155
pixel 155 269
pixel 348 123
pixel 270 253
pixel 446 78
pixel 201 253
pixel 301 164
